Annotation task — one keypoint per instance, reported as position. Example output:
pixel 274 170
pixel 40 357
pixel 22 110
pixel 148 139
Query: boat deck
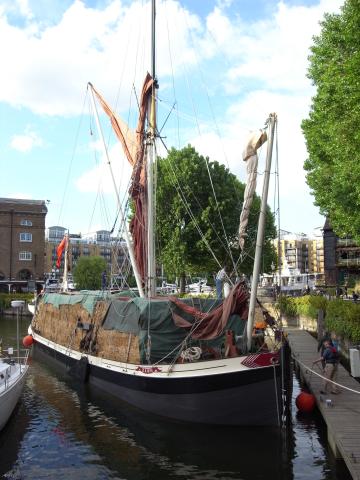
pixel 342 416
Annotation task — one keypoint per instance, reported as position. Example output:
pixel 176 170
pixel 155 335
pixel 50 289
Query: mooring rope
pixel 276 395
pixel 324 378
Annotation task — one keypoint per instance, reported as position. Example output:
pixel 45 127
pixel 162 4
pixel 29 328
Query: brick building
pixel 22 240
pixel 342 257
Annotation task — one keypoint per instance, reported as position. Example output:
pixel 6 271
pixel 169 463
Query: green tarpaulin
pixel 150 320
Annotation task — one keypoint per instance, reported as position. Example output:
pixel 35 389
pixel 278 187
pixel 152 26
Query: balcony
pixel 346 242
pixel 349 262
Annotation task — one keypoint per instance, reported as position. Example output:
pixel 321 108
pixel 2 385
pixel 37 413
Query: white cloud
pixel 26 142
pixel 272 53
pixel 261 66
pixel 24 8
pixel 54 63
pixel 17 7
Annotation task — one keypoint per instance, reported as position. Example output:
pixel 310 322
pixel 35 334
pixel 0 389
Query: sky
pixel 222 67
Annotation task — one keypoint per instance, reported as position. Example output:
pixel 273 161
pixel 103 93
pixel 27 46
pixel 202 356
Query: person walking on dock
pixel 330 357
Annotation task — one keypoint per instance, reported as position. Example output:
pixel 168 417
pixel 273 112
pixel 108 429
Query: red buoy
pixel 305 402
pixel 28 341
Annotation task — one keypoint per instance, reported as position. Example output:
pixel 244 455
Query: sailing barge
pixel 164 356
pixel 191 359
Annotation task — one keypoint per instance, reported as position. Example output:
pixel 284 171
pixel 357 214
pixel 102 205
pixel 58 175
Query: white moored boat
pixel 13 370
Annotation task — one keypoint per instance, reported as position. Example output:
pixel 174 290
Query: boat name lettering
pixel 148 370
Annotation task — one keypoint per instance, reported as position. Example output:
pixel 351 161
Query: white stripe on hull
pixel 10 396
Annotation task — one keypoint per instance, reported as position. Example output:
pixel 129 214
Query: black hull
pixel 248 397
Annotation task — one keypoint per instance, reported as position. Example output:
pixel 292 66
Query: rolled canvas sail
pixel 255 140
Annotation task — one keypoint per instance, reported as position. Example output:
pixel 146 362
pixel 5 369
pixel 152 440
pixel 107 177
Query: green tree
pixel 185 204
pixel 88 271
pixel 332 130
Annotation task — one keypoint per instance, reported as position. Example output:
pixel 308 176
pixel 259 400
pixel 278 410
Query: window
pixel 103 236
pixel 25 237
pixel 56 233
pixel 27 223
pixel 25 255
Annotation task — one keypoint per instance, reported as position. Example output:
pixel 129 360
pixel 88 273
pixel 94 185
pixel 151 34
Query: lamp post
pixel 17 304
pixel 307 280
pixel 273 274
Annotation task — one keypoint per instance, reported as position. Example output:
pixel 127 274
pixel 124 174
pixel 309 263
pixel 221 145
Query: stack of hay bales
pixel 60 326
pixel 112 344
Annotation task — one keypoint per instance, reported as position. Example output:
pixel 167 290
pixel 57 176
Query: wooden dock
pixel 343 416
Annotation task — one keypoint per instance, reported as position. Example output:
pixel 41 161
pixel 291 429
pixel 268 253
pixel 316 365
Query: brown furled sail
pixel 134 148
pixel 210 325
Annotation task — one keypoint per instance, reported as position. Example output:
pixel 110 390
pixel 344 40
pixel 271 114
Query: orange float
pixel 305 402
pixel 28 341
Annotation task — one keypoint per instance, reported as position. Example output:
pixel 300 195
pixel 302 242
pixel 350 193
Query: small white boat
pixel 12 379
pixel 13 370
pixel 31 307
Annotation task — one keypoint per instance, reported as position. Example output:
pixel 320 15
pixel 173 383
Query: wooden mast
pixel 151 159
pixel 261 229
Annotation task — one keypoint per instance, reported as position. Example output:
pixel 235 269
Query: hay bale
pixel 59 325
pixel 118 346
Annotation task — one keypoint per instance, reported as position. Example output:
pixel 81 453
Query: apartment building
pixel 300 253
pixel 101 243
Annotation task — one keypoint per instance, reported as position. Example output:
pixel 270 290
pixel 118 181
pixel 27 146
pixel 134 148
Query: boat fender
pixel 28 341
pixel 305 402
pixel 80 369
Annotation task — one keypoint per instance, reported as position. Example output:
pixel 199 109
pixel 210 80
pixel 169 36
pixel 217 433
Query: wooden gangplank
pixel 343 416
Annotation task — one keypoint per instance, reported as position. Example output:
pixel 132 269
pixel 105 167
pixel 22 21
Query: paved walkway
pixel 343 416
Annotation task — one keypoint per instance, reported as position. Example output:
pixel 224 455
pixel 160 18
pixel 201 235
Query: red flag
pixel 59 251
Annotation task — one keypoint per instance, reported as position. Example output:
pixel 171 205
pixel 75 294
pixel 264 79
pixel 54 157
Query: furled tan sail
pixel 255 140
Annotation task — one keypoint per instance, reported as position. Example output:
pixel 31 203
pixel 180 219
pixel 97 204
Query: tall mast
pixel 151 158
pixel 121 213
pixel 261 229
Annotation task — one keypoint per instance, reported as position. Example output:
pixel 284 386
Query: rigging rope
pixel 187 208
pixel 72 158
pixel 172 73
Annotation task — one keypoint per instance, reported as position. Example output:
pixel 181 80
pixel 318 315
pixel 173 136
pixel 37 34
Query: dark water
pixel 62 431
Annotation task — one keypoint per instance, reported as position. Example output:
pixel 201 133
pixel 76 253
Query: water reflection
pixel 62 430
pixel 11 437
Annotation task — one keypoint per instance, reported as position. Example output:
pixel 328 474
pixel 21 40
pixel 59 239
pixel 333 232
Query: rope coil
pixel 191 354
